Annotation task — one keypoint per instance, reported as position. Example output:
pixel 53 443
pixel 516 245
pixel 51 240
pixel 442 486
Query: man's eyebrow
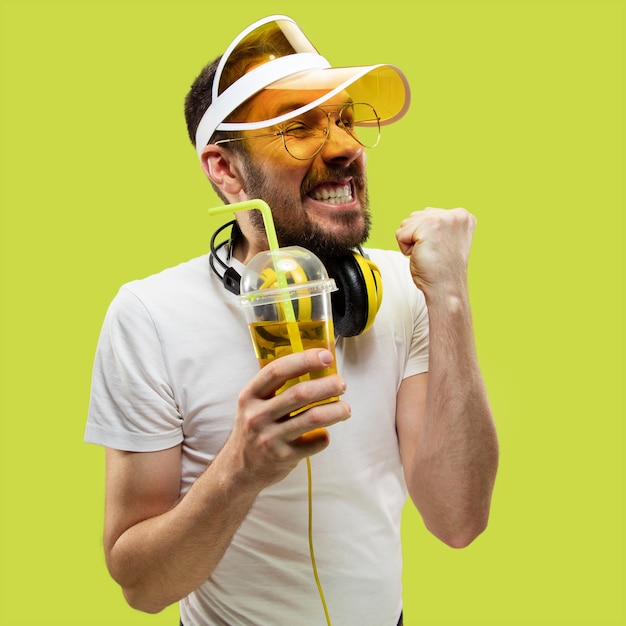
pixel 288 107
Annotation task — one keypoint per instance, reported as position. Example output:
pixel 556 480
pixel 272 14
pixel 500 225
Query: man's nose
pixel 340 146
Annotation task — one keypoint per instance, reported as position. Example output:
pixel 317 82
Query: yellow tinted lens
pixel 304 147
pixel 361 121
pixel 306 134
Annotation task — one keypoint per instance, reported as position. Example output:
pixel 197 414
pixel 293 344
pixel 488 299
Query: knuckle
pixel 243 398
pixel 251 420
pixel 254 423
pixel 317 415
pixel 265 441
pixel 274 368
pixel 329 412
pixel 300 393
pixel 284 454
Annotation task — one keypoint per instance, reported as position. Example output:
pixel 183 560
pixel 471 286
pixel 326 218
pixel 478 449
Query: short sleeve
pixel 417 363
pixel 132 406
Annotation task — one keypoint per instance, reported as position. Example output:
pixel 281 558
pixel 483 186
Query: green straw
pixel 248 205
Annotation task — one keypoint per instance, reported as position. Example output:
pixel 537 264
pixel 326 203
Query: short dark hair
pixel 199 99
pixel 260 46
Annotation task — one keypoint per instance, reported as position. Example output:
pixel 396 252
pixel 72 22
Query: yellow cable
pixel 313 563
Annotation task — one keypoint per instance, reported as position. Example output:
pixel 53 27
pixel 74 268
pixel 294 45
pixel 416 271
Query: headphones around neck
pixel 354 304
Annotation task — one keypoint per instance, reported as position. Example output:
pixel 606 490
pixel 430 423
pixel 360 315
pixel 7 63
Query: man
pixel 206 496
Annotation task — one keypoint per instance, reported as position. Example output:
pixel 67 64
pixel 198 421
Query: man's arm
pixel 160 548
pixel 447 435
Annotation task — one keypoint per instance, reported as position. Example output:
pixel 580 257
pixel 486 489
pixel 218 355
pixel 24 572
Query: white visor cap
pixel 274 53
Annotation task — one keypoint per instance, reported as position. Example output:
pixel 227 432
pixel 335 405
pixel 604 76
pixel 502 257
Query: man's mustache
pixel 331 174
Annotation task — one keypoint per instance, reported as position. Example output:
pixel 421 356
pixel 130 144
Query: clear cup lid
pixel 290 272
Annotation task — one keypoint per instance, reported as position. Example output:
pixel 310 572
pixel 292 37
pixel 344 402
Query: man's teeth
pixel 333 195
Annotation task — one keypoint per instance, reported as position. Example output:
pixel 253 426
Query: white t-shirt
pixel 172 356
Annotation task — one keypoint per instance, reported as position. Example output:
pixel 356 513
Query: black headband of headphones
pixel 230 277
pixel 354 304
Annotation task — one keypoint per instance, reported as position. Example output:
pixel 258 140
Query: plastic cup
pixel 286 296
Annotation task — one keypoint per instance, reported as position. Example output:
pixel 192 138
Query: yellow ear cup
pixel 295 275
pixel 267 279
pixel 359 293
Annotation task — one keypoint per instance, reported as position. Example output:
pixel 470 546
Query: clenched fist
pixel 438 242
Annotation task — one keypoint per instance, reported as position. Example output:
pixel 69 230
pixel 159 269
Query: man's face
pixel 319 203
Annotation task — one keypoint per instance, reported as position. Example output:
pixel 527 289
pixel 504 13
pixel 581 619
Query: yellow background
pixel 517 114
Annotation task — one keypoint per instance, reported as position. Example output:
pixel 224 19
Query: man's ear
pixel 221 167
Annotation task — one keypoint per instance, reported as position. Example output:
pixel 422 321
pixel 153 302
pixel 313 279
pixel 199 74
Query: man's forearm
pixel 164 558
pixel 457 451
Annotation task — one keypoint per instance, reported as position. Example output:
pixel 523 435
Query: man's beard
pixel 293 225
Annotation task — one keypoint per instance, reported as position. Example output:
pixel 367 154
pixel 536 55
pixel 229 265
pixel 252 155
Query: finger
pixel 319 437
pixel 407 236
pixel 406 247
pixel 307 393
pixel 276 373
pixel 311 424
